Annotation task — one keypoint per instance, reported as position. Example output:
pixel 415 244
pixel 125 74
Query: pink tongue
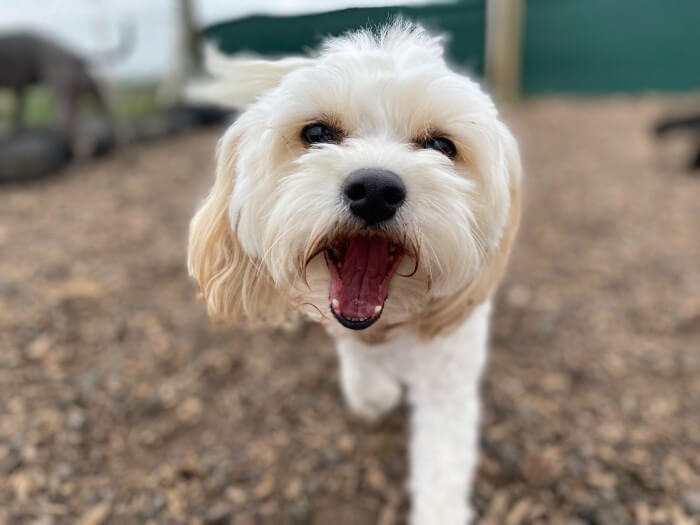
pixel 362 284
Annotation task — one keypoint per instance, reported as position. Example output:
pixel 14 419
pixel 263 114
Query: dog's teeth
pixel 335 303
pixel 377 309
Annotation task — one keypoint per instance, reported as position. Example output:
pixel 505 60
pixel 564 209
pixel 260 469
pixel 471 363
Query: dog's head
pixel 370 182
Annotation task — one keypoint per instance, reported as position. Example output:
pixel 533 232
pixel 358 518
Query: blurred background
pixel 121 403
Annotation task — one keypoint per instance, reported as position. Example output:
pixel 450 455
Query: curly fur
pixel 275 205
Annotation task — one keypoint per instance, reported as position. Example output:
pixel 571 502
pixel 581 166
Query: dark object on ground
pixel 26 60
pixel 684 124
pixel 32 154
pixel 97 138
pixel 176 120
pixel 185 117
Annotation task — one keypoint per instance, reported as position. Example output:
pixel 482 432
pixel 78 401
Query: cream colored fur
pixel 256 243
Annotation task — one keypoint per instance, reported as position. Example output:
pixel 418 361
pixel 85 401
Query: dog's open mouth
pixel 361 269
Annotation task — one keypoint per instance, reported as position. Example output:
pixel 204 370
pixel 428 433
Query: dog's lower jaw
pixel 442 378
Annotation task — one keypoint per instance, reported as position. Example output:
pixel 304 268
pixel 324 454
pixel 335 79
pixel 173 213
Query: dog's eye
pixel 441 144
pixel 318 133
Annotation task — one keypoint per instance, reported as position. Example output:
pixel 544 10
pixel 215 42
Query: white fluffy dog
pixel 376 190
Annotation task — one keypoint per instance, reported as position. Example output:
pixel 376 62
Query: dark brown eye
pixel 318 133
pixel 441 144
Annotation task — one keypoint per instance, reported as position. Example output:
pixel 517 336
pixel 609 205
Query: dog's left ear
pixel 444 314
pixel 239 80
pixel 233 284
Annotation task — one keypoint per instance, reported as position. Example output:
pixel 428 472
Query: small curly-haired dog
pixel 374 189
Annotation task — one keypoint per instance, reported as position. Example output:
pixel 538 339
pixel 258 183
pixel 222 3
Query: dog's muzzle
pixel 374 195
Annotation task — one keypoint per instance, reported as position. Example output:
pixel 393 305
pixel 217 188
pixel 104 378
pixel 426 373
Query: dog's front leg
pixel 444 450
pixel 18 115
pixel 445 421
pixel 368 391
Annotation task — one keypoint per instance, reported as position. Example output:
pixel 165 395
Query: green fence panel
pixel 597 46
pixel 570 46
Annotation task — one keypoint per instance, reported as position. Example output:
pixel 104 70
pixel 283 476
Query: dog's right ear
pixel 238 81
pixel 233 285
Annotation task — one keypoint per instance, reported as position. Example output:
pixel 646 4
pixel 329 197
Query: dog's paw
pixel 369 393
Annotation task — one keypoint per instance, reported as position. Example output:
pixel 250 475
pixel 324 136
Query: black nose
pixel 373 194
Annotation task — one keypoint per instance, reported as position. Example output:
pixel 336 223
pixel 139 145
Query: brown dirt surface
pixel 121 403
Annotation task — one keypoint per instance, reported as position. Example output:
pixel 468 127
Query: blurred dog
pixel 377 191
pixel 27 59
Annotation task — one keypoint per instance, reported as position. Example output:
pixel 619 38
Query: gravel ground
pixel 120 402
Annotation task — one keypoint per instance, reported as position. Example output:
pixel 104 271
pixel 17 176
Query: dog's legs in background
pixel 18 111
pixel 445 423
pixel 106 101
pixel 68 118
pixel 368 391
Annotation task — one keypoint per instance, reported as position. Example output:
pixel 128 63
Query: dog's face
pixel 365 184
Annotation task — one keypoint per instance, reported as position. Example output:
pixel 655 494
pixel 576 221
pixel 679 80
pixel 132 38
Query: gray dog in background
pixel 27 60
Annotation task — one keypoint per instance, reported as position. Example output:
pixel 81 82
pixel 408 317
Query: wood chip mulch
pixel 120 403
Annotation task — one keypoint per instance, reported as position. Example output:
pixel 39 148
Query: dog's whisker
pixel 320 312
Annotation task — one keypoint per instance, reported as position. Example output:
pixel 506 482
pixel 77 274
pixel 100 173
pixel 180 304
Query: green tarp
pixel 463 21
pixel 570 46
pixel 598 46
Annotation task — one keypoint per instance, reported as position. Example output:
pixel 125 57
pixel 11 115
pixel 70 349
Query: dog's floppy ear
pixel 233 285
pixel 444 314
pixel 237 81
